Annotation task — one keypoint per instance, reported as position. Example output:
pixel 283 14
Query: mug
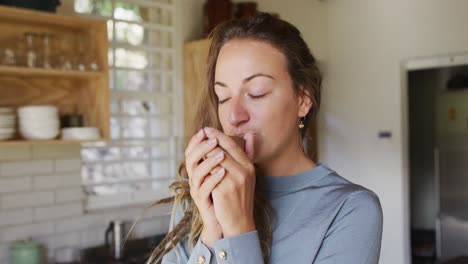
pixel 25 252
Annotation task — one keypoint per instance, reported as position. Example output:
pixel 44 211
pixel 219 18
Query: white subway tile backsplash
pixel 9 234
pixel 67 165
pixel 80 223
pixel 41 197
pixel 27 199
pixel 4 253
pixel 162 210
pixel 57 211
pixel 15 217
pixel 92 237
pixel 10 153
pixel 27 168
pixel 66 240
pixel 146 228
pixel 69 195
pixel 59 241
pixel 14 184
pixel 129 214
pixel 151 195
pixel 57 181
pixel 40 151
pixel 112 200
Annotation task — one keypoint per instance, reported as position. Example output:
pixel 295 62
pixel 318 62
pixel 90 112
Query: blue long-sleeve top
pixel 320 218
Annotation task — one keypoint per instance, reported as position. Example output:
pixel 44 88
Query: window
pixel 142 157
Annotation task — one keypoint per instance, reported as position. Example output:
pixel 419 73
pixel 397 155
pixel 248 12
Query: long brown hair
pixel 304 73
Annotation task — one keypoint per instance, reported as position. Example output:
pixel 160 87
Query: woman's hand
pixel 202 162
pixel 233 197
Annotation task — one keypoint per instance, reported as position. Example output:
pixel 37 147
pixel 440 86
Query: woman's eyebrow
pixel 247 79
pixel 257 75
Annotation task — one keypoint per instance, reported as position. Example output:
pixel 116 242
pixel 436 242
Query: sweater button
pixel 222 255
pixel 201 260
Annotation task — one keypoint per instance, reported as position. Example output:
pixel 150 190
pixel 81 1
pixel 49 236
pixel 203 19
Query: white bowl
pixel 37 113
pixel 80 133
pixel 40 134
pixel 38 117
pixel 39 128
pixel 44 123
pixel 34 110
pixel 38 121
pixel 37 108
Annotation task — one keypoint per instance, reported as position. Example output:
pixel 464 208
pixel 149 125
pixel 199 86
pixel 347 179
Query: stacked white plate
pixel 7 123
pixel 39 121
pixel 80 133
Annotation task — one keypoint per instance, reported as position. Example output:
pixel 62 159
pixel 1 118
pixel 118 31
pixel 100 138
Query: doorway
pixel 437 107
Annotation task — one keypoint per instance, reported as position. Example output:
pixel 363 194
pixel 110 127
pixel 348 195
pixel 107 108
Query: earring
pixel 301 125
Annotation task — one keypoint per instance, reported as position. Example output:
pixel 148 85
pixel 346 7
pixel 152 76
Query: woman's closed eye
pixel 257 96
pixel 253 96
pixel 222 101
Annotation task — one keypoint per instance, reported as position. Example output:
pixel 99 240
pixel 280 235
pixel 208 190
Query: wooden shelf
pixel 37 72
pixel 46 19
pixel 72 92
pixel 18 142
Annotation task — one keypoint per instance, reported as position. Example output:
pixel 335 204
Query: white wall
pixel 309 16
pixel 367 42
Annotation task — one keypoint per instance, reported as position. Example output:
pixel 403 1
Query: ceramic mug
pixel 25 252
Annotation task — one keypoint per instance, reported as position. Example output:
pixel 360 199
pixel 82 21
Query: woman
pixel 267 202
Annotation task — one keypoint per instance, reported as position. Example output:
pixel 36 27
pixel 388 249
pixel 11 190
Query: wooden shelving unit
pixel 72 91
pixel 45 142
pixel 38 72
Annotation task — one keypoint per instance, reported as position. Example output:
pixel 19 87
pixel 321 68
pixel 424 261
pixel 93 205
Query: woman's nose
pixel 238 113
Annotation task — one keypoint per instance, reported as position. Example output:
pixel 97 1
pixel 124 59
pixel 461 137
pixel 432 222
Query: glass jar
pixel 31 52
pixel 46 55
pixel 65 52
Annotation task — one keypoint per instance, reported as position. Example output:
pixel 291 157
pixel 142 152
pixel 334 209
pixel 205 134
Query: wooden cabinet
pixel 195 66
pixel 72 91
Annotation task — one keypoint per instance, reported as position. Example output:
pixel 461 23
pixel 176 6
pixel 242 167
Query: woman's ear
pixel 305 102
